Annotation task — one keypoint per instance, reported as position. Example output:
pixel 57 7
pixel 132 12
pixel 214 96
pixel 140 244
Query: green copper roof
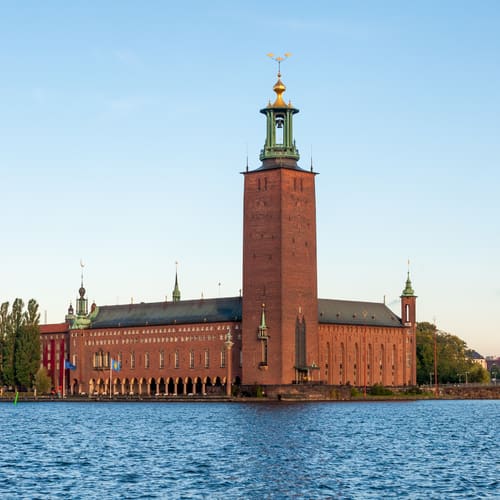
pixel 408 291
pixel 280 143
pixel 176 294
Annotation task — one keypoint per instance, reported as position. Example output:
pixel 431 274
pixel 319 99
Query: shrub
pixel 380 390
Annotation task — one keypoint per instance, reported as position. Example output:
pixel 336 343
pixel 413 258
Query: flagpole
pixel 110 377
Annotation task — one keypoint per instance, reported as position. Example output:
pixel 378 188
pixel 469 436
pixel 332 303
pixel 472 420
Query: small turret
pixel 71 314
pixel 408 304
pixel 262 330
pixel 81 319
pixel 408 291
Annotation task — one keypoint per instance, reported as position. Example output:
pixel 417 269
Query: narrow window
pixel 207 359
pixel 146 360
pixel 162 359
pixel 223 358
pixel 176 361
pixel 407 313
pixel 132 360
pixel 191 359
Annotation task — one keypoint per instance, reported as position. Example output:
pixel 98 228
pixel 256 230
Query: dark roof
pixel 342 312
pixel 169 313
pixel 349 312
pixel 54 328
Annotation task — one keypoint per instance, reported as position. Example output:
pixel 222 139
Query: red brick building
pixel 278 333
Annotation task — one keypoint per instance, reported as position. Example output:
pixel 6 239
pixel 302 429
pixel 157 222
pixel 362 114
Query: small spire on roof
pixel 408 291
pixel 176 294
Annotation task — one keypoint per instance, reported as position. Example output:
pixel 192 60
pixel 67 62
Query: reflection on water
pixel 425 449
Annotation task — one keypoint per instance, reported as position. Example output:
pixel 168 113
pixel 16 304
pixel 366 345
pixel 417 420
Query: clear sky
pixel 124 127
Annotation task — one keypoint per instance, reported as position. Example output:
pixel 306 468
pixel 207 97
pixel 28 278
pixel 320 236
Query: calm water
pixel 428 449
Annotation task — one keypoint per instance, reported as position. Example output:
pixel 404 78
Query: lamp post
pixel 365 313
pixel 436 384
pixel 229 344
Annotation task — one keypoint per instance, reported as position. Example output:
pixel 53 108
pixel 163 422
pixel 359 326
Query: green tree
pixel 4 312
pixel 425 351
pixel 27 346
pixel 453 357
pixel 43 382
pixel 13 321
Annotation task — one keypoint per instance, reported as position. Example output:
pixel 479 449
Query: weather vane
pixel 279 59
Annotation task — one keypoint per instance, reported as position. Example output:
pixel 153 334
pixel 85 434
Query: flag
pixel 68 365
pixel 116 365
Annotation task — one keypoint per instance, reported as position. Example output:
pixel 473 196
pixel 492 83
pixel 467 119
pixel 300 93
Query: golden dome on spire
pixel 279 88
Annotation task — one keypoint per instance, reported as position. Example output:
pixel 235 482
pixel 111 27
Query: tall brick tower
pixel 408 317
pixel 280 299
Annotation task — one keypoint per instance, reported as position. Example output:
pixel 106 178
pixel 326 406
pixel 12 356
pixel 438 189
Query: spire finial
pixel 82 265
pixel 279 60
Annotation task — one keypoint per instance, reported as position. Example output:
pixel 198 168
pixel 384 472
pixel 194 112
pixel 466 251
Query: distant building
pixel 493 366
pixel 276 334
pixel 478 359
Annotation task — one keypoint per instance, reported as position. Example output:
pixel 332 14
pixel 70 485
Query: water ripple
pixel 421 450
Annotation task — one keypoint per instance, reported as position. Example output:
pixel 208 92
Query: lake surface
pixel 423 449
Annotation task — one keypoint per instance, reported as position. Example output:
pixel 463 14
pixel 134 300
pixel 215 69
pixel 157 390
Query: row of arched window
pixel 102 360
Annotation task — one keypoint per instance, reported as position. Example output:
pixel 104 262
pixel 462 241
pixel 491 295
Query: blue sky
pixel 124 127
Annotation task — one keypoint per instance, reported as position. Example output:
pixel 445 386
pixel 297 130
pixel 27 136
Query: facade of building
pixel 278 333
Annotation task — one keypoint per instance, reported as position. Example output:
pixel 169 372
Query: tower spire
pixel 81 302
pixel 280 145
pixel 408 291
pixel 176 294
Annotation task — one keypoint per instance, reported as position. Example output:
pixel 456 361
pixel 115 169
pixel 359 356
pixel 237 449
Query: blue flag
pixel 116 365
pixel 68 365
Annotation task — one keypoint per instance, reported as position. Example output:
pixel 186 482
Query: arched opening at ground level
pixel 153 386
